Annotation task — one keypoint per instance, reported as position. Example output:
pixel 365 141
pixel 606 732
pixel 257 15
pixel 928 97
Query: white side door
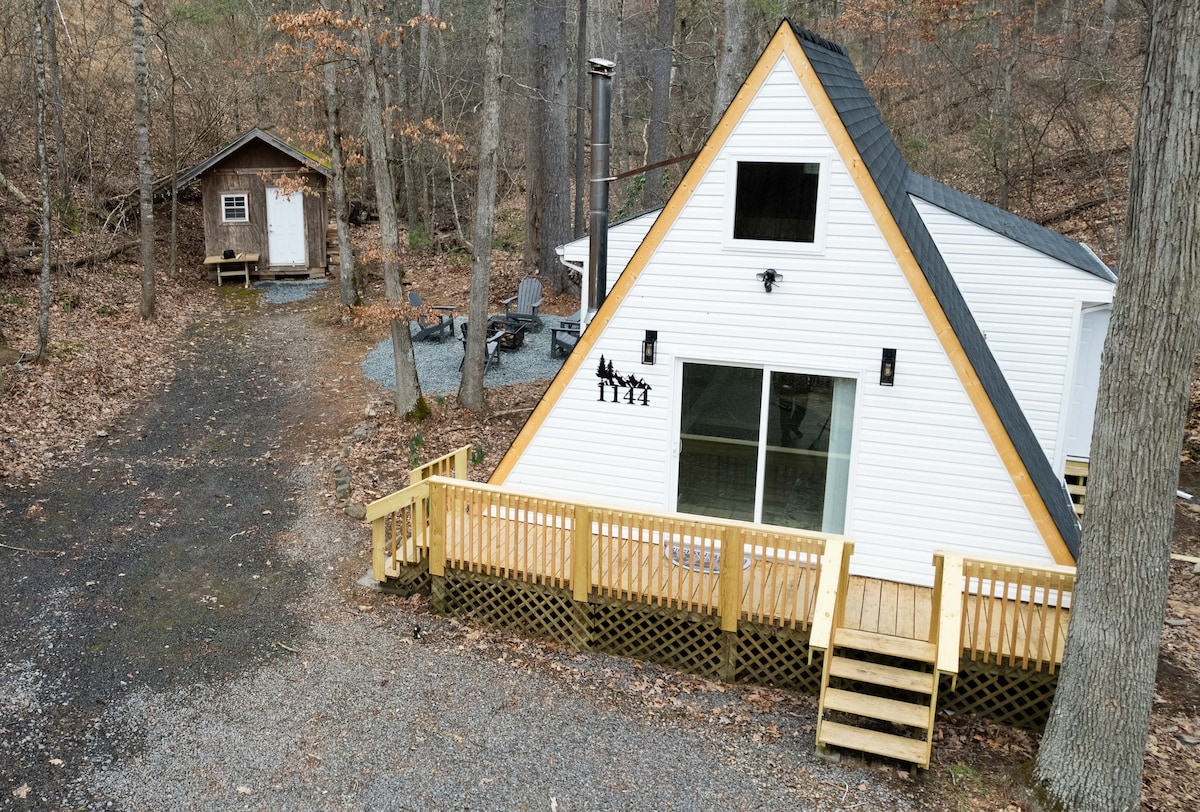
pixel 1082 409
pixel 285 228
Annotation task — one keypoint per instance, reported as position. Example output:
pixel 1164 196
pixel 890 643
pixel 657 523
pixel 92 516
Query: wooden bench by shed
pixel 264 197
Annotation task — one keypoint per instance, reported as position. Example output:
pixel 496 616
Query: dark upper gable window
pixel 776 201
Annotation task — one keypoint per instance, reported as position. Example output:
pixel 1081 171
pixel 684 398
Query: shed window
pixel 776 201
pixel 765 446
pixel 234 209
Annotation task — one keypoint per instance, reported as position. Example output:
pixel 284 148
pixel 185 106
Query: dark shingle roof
pixel 891 174
pixel 1016 228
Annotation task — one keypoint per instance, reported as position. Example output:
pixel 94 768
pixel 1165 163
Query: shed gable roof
pixel 310 161
pixel 882 176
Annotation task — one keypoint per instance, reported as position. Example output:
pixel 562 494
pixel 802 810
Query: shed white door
pixel 285 228
pixel 1082 410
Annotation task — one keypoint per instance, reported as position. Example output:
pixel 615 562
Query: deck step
pixel 877 707
pixel 903 647
pixel 870 741
pixel 886 675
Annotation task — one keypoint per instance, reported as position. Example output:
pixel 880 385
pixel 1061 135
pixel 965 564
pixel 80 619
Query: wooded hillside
pixel 1027 104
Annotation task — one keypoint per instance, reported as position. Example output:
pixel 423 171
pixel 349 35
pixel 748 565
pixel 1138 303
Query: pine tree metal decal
pixel 612 383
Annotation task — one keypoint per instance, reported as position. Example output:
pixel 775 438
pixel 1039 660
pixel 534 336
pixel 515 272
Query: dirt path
pixel 162 565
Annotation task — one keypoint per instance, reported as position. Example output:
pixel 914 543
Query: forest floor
pixel 88 457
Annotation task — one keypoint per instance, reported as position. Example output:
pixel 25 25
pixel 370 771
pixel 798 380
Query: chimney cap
pixel 604 67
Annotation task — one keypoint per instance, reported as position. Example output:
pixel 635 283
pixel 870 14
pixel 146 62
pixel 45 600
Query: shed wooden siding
pixel 242 172
pixel 1028 305
pixel 924 472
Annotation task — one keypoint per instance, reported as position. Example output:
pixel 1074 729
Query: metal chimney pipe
pixel 602 73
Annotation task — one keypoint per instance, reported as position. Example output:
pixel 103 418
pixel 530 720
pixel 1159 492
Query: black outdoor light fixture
pixel 770 278
pixel 648 346
pixel 887 368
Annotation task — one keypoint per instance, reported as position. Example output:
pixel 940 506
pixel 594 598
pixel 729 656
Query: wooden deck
pixel 1013 614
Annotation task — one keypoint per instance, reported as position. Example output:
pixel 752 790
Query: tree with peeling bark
pixel 141 116
pixel 1091 757
pixel 548 193
pixel 731 66
pixel 408 389
pixel 39 67
pixel 470 390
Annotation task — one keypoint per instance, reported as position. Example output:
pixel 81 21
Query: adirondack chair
pixel 564 337
pixel 431 328
pixel 492 349
pixel 528 300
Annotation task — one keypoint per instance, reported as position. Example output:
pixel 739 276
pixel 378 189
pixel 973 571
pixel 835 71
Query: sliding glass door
pixel 766 446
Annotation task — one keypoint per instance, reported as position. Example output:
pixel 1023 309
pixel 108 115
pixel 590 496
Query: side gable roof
pixel 1026 232
pixel 891 175
pixel 311 161
pixel 882 175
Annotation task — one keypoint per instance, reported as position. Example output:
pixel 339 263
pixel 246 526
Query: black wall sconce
pixel 770 278
pixel 649 346
pixel 887 368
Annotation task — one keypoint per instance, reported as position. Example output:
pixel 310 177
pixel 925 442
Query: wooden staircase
pixel 882 679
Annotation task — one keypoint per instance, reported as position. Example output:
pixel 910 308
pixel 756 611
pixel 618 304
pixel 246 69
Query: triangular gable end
pixel 936 293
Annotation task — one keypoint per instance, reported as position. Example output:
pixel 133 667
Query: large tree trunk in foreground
pixel 1092 754
pixel 470 391
pixel 141 118
pixel 408 390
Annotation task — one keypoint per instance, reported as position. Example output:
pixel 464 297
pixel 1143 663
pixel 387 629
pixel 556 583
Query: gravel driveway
pixel 190 637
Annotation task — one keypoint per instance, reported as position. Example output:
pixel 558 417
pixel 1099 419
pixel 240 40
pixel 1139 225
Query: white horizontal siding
pixel 925 475
pixel 1026 303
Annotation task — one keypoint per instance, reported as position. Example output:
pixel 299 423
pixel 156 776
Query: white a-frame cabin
pixel 810 334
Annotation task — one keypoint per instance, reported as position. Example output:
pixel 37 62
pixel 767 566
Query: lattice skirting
pixel 777 657
pixel 528 609
pixel 1010 696
pixel 686 641
pixel 414 579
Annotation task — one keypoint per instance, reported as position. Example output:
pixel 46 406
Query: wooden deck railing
pixel 1005 612
pixel 727 569
pixel 452 466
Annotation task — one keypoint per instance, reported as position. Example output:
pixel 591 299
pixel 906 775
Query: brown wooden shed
pixel 249 210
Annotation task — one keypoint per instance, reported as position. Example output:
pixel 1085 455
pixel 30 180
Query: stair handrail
pixel 407 508
pixel 831 593
pixel 452 465
pixel 945 616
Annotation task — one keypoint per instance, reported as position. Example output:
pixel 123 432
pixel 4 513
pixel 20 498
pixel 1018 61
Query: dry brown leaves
pixel 103 359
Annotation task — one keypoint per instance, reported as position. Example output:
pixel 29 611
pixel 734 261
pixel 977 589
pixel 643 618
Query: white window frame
pixel 817 246
pixel 226 198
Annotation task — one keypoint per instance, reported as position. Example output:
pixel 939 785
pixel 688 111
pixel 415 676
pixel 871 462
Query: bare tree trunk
pixel 60 137
pixel 39 66
pixel 408 389
pixel 141 115
pixel 730 68
pixel 581 91
pixel 470 390
pixel 347 289
pixel 1091 757
pixel 548 192
pixel 660 103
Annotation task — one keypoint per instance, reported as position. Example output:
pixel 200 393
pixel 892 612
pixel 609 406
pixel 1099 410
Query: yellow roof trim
pixel 785 43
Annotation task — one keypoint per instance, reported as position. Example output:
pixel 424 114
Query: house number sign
pixel 615 387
